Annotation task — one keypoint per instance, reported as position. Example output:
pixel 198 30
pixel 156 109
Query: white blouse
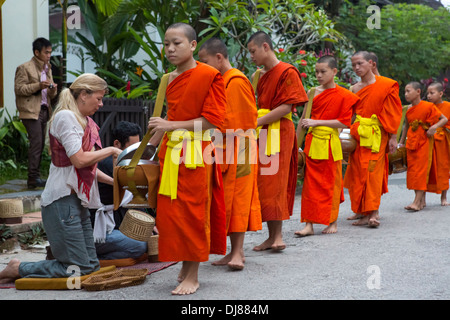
pixel 62 180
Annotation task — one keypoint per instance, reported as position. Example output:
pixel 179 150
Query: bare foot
pixel 186 287
pixel 356 216
pixel 236 264
pixel 308 230
pixel 266 245
pixel 444 203
pixel 278 246
pixel 413 207
pixel 11 272
pixel 189 273
pixel 222 262
pixel 361 222
pixel 332 228
pixel 234 260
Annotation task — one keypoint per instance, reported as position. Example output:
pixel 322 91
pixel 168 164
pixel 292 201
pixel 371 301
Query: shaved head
pixel 189 32
pixel 373 57
pixel 259 38
pixel 365 54
pixel 416 85
pixel 438 86
pixel 213 46
pixel 329 60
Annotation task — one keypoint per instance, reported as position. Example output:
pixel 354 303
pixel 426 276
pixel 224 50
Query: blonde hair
pixel 68 97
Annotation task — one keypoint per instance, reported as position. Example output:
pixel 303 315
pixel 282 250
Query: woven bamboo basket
pixel 11 211
pixel 115 279
pixel 152 245
pixel 137 225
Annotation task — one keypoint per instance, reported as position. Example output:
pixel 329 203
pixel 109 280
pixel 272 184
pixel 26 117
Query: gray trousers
pixel 69 232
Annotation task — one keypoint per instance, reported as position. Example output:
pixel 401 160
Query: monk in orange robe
pixel 423 119
pixel 190 204
pixel 279 91
pixel 377 118
pixel 441 151
pixel 238 134
pixel 323 190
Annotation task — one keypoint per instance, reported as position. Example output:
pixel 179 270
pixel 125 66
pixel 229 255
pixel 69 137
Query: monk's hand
pixel 157 124
pixel 431 131
pixel 393 144
pixel 306 123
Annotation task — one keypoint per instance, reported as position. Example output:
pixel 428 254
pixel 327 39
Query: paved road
pixel 407 257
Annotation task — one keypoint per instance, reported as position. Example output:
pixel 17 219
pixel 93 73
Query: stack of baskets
pixel 11 211
pixel 139 225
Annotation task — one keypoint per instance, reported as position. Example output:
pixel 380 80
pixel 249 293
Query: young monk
pixel 323 190
pixel 441 151
pixel 190 204
pixel 423 119
pixel 279 90
pixel 239 177
pixel 377 117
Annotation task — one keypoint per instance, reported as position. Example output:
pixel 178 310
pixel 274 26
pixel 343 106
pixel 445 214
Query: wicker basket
pixel 152 251
pixel 11 211
pixel 137 225
pixel 115 279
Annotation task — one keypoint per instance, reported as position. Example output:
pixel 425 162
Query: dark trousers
pixel 36 137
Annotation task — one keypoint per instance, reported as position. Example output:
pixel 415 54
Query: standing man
pixel 279 91
pixel 34 89
pixel 378 116
pixel 239 177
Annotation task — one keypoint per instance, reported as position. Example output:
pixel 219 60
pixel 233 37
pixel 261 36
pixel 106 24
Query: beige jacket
pixel 28 91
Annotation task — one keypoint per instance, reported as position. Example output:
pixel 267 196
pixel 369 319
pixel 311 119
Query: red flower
pixel 280 50
pixel 302 52
pixel 445 80
pixel 303 62
pixel 128 88
pixel 303 75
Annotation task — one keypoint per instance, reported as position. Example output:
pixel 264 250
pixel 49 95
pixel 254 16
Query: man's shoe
pixel 38 183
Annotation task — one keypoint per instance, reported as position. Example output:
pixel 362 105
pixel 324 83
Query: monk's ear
pixel 335 71
pixel 193 45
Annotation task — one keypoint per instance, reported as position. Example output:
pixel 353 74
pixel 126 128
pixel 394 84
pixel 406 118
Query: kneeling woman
pixel 71 187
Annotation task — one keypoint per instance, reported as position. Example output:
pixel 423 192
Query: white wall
pixel 22 21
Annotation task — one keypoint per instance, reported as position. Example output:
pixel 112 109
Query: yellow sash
pixel 369 132
pixel 322 135
pixel 193 157
pixel 273 132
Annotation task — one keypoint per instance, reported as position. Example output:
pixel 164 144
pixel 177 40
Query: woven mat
pixel 151 266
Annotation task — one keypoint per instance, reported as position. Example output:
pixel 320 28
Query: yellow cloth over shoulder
pixel 273 133
pixel 322 137
pixel 193 157
pixel 369 132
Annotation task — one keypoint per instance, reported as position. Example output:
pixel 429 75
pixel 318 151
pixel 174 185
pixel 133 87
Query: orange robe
pixel 367 172
pixel 323 189
pixel 193 225
pixel 240 175
pixel 440 163
pixel 419 147
pixel 277 176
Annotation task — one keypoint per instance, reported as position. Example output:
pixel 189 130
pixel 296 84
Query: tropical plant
pixel 412 43
pixel 293 25
pixel 13 140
